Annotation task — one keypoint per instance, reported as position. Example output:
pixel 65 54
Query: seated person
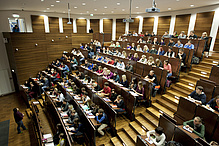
pixel 182 56
pixel 166 35
pixel 63 57
pixel 124 81
pixel 128 46
pixel 198 95
pixel 58 63
pixel 81 46
pixel 85 80
pixel 75 90
pixel 80 55
pixel 124 55
pixel 159 135
pixel 214 103
pixel 101 118
pixel 72 117
pixel 152 78
pixel 196 126
pixel 105 60
pixel 155 42
pixel 65 70
pixel 94 108
pixel 100 58
pixel 170 53
pixel 129 67
pixel 162 42
pixel 96 87
pixel 117 53
pixel 138 48
pixel 160 51
pixel 179 44
pixel 104 73
pixel 116 77
pixel 150 60
pixel 61 139
pixel 133 47
pixel 109 74
pixel 55 76
pixel 120 65
pixel 100 70
pixel 74 63
pixel 116 62
pixel 175 35
pixel 56 135
pixel 86 63
pixel 112 44
pixel 91 52
pixel 189 45
pixel 80 75
pixel 111 61
pixel 171 43
pixel 106 91
pixel 147 34
pixel 182 35
pixel 143 59
pixel 140 40
pixel 86 47
pixel 192 35
pixel 32 91
pixel 78 127
pixel 117 45
pixel 95 68
pixel 133 84
pixel 85 97
pixel 149 41
pixel 135 57
pixel 153 50
pixel 145 49
pixel 108 51
pixel 45 84
pixel 167 66
pixel 119 103
pixel 73 52
pixel 158 63
pixel 129 56
pixel 64 106
pixel 140 91
pixel 113 95
pixel 134 33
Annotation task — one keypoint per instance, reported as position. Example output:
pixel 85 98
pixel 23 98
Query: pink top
pixel 168 67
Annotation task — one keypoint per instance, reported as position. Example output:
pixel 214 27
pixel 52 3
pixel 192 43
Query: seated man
pixel 171 43
pixel 159 136
pixel 192 35
pixel 58 63
pixel 65 70
pixel 189 45
pixel 129 67
pixel 182 56
pixel 196 126
pixel 166 35
pixel 152 78
pixel 198 94
pixel 153 50
pixel 55 76
pixel 120 64
pixel 170 53
pixel 80 75
pixel 46 83
pixel 106 91
pixel 119 103
pixel 101 118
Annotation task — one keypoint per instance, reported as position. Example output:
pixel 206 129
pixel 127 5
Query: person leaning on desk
pixel 196 126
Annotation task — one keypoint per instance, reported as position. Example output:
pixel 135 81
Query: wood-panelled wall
pixel 133 26
pixel 54 24
pixel 38 24
pixel 107 25
pixel 203 22
pixel 81 25
pixel 163 24
pixel 216 45
pixel 148 24
pixel 95 25
pixel 80 38
pixel 182 23
pixel 67 28
pixel 120 28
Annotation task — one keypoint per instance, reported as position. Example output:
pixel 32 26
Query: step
pixel 187 82
pixel 167 105
pixel 211 60
pixel 116 141
pixel 41 102
pixel 175 92
pixel 150 118
pixel 137 128
pixel 125 139
pixel 191 78
pixel 154 112
pixel 131 133
pixel 170 99
pixel 163 109
pixel 184 92
pixel 28 112
pixel 202 67
pixel 108 144
pixel 188 88
pixel 147 126
pixel 204 63
pixel 204 72
pixel 198 75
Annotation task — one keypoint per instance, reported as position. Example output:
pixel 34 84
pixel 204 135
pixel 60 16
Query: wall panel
pixel 203 23
pixel 133 26
pixel 38 24
pixel 120 28
pixel 163 24
pixel 80 38
pixel 148 24
pixel 54 24
pixel 182 23
pixel 107 25
pixel 81 25
pixel 95 25
pixel 216 45
pixel 67 28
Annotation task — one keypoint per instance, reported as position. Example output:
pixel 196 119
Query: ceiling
pixel 101 6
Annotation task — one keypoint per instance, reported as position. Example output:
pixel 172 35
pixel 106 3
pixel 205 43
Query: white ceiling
pixel 138 6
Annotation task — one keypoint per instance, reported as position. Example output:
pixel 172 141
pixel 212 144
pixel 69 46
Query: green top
pixel 200 131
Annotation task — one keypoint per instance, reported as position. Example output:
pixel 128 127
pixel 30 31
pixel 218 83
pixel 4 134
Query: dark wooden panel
pixel 67 28
pixel 107 25
pixel 80 38
pixel 216 45
pixel 148 24
pixel 95 25
pixel 54 24
pixel 120 28
pixel 163 24
pixel 203 23
pixel 133 26
pixel 182 23
pixel 81 25
pixel 38 24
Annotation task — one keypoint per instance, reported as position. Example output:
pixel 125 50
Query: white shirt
pixel 141 61
pixel 120 66
pixel 61 97
pixel 173 54
pixel 158 140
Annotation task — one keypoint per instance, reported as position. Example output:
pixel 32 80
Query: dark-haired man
pixel 18 116
pixel 101 118
pixel 198 94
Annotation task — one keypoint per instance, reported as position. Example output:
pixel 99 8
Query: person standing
pixel 18 116
pixel 16 29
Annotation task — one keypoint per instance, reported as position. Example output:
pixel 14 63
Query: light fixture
pixel 36 45
pixel 118 4
pixel 83 4
pixel 81 14
pixel 66 36
pixel 15 15
pixel 136 7
pixel 52 5
pixel 52 40
pixel 105 7
pixel 91 15
pixel 47 8
pixel 177 0
pixel 63 12
pixel 58 1
pixel 75 7
pixel 112 11
pixel 123 9
pixel 95 9
pixel 192 5
pixel 42 0
pixel 103 13
pixel 169 8
pixel 87 11
pixel 137 12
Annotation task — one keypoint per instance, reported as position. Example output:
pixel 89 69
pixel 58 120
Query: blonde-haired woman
pixel 138 48
pixel 124 81
pixel 151 60
pixel 143 59
pixel 124 55
pixel 145 49
pixel 135 57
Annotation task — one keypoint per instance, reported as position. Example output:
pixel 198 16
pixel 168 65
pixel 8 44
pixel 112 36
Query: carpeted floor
pixel 4 133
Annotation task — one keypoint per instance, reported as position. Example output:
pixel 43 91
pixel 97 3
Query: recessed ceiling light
pixel 91 15
pixel 177 0
pixel 136 7
pixel 81 13
pixel 75 7
pixel 83 4
pixel 95 9
pixel 58 1
pixel 15 15
pixel 87 11
pixel 123 9
pixel 63 11
pixel 169 8
pixel 112 11
pixel 192 5
pixel 47 8
pixel 118 4
pixel 42 0
pixel 137 12
pixel 103 13
pixel 44 11
pixel 105 7
pixel 52 5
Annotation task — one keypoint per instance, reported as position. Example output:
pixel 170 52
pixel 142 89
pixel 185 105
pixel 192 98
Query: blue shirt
pixel 82 47
pixel 99 59
pixel 189 47
pixel 66 68
pixel 90 67
pixel 101 119
pixel 161 53
pixel 179 46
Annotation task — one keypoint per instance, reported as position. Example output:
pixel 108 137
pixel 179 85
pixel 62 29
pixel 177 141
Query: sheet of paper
pixel 187 129
pixel 47 136
pixel 49 144
pixel 91 117
pixel 149 141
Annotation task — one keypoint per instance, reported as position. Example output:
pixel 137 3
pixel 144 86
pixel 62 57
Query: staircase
pixel 167 103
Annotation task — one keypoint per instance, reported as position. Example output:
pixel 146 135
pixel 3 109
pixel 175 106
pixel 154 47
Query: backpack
pixel 195 60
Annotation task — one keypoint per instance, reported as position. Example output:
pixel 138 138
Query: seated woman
pixel 100 70
pixel 179 44
pixel 151 60
pixel 138 48
pixel 74 63
pixel 167 66
pixel 119 103
pixel 159 135
pixel 117 44
pixel 116 62
pixel 116 77
pixel 121 65
pixel 124 55
pixel 112 44
pixel 145 49
pixel 113 95
pixel 135 57
pixel 140 91
pixel 89 102
pixel 104 71
pixel 109 74
pixel 133 84
pixel 133 47
pixel 77 126
pixel 117 53
pixel 72 117
pixel 160 51
pixel 158 63
pixel 124 81
pixel 162 43
pixel 61 139
pixel 128 47
pixel 129 56
pixel 85 80
pixel 143 59
pixel 214 103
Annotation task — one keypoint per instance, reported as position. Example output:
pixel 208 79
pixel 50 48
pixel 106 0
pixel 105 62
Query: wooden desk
pixel 142 142
pixel 193 135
